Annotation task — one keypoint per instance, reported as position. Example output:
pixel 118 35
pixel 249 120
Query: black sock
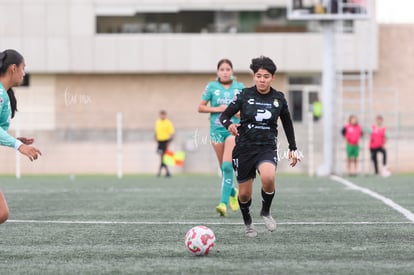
pixel 245 209
pixel 266 203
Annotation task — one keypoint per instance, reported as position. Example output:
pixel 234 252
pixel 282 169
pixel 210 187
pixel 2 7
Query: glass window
pixel 296 102
pixel 271 20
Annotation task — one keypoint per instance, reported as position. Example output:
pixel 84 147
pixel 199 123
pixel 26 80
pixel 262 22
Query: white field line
pixel 407 213
pixel 193 222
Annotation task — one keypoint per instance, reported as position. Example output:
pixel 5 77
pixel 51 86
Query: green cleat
pixel 233 201
pixel 221 209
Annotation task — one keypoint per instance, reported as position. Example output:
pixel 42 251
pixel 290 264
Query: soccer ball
pixel 199 240
pixel 385 172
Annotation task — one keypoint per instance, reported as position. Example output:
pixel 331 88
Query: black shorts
pixel 162 146
pixel 246 162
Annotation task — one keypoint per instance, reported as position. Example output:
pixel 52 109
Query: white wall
pixel 59 36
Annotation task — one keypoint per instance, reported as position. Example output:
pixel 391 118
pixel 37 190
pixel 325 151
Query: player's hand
pixel 25 140
pixel 31 152
pixel 233 129
pixel 294 158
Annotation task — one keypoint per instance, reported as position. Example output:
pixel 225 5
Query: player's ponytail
pixel 7 58
pixel 13 102
pixel 2 58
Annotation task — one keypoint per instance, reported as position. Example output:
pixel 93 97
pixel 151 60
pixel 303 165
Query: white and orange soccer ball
pixel 199 240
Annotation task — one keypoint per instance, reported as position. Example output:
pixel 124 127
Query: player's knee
pixel 227 167
pixel 244 197
pixel 268 184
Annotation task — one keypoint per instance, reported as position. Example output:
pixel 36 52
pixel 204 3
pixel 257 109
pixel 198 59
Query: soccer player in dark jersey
pixel 260 106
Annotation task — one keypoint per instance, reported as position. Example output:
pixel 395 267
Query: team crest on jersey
pixel 276 103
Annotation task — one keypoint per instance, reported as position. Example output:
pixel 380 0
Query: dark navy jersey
pixel 258 118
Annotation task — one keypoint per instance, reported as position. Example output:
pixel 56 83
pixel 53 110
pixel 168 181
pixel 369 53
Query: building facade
pixel 95 65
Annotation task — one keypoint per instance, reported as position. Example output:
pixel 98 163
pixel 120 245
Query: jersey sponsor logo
pixel 261 127
pixel 262 114
pixel 217 92
pixel 265 104
pixel 223 101
pixel 250 101
pixel 276 103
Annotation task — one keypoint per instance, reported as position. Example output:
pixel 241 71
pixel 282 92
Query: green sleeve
pixel 207 93
pixel 6 139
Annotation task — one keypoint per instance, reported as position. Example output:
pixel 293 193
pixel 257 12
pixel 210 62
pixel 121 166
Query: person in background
pixel 317 110
pixel 215 98
pixel 260 107
pixel 164 133
pixel 378 138
pixel 12 72
pixel 352 133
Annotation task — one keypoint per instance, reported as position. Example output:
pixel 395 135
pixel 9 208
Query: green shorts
pixel 352 151
pixel 219 135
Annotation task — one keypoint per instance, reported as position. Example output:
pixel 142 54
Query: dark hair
pixel 7 58
pixel 224 60
pixel 13 102
pixel 263 62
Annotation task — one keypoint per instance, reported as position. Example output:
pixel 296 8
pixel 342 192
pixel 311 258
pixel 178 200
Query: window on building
pixel 213 21
pixel 296 102
pixel 26 80
pixel 304 91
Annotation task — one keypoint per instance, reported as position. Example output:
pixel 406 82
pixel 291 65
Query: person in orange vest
pixel 352 133
pixel 378 138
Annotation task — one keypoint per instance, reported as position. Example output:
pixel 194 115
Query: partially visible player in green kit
pixel 11 74
pixel 217 95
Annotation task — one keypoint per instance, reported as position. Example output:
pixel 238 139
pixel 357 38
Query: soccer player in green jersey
pixel 11 74
pixel 217 95
pixel 260 107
